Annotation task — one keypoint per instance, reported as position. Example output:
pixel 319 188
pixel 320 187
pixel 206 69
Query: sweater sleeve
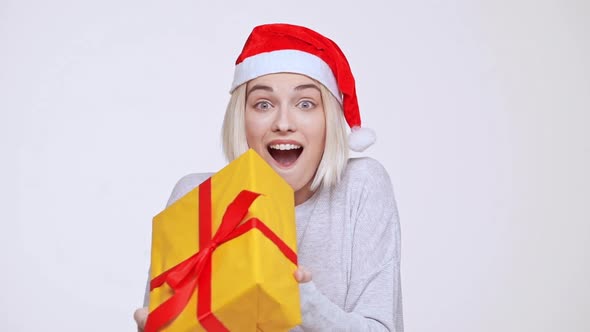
pixel 373 299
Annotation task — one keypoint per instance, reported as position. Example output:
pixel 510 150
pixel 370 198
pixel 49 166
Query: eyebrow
pixel 269 89
pixel 307 86
pixel 259 87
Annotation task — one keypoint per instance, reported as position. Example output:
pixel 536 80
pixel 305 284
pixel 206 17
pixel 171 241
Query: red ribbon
pixel 196 270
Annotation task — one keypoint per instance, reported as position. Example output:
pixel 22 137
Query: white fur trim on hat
pixel 361 138
pixel 286 61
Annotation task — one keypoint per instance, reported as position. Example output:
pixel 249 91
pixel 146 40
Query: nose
pixel 283 121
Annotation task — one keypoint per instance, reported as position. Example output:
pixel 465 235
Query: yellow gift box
pixel 223 256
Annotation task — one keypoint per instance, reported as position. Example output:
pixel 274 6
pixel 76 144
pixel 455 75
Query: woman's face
pixel 285 124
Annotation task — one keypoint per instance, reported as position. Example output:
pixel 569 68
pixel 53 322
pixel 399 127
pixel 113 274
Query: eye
pixel 306 104
pixel 263 105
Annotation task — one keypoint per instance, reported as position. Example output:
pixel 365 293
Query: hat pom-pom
pixel 361 138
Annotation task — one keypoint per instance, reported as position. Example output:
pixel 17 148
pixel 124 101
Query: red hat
pixel 286 48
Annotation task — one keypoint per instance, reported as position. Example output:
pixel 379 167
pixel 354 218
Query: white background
pixel 482 111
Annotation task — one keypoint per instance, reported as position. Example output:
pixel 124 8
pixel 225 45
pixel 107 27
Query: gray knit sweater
pixel 348 236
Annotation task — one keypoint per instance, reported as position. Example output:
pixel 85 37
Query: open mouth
pixel 285 154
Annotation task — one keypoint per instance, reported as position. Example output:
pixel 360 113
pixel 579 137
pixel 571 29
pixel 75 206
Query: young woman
pixel 292 97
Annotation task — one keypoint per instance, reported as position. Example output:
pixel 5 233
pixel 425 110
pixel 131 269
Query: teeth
pixel 285 146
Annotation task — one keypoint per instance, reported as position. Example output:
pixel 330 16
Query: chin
pixel 289 179
pixel 296 186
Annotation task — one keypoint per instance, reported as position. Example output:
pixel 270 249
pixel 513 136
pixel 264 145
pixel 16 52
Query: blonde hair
pixel 335 156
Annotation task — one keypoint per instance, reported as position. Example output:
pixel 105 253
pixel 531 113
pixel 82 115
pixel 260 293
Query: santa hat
pixel 285 48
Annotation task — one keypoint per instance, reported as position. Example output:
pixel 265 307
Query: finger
pixel 302 275
pixel 140 317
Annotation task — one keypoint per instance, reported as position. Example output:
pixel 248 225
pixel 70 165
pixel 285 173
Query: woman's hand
pixel 140 317
pixel 302 275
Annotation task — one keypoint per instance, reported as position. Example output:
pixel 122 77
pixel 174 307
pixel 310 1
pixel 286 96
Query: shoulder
pixel 365 170
pixel 366 184
pixel 186 184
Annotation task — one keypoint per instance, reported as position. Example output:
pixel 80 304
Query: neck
pixel 303 194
